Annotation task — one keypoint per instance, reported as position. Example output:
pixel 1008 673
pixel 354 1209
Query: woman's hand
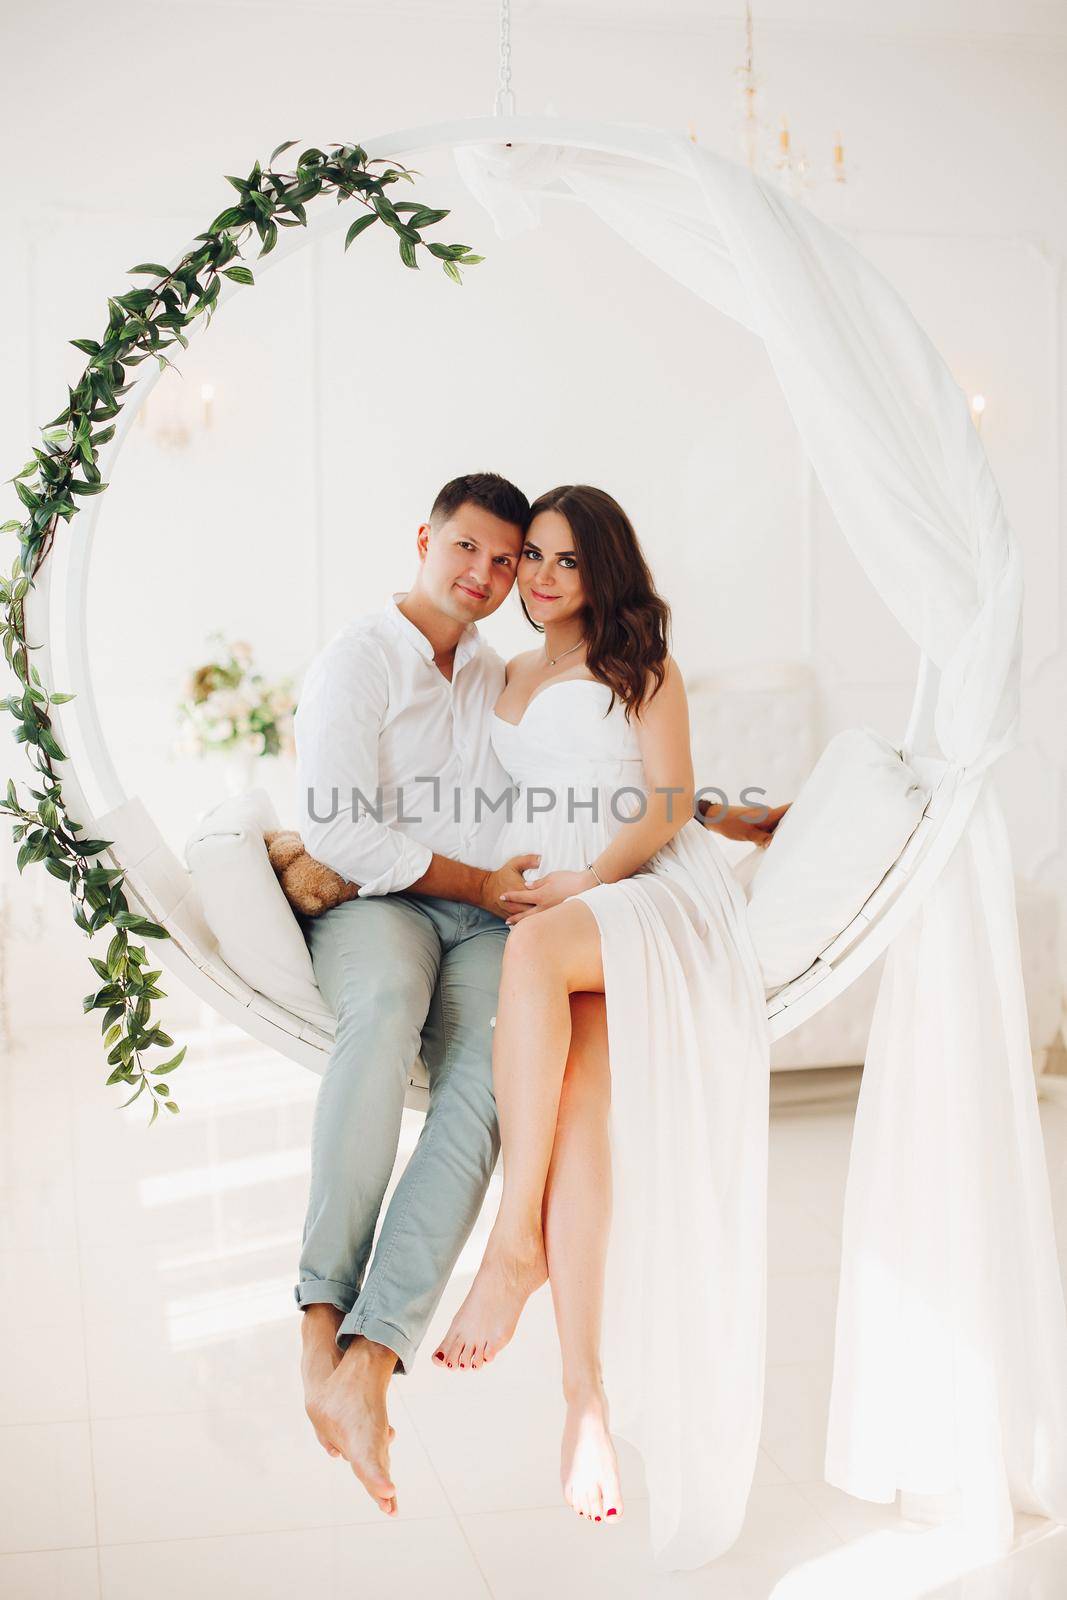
pixel 738 821
pixel 544 893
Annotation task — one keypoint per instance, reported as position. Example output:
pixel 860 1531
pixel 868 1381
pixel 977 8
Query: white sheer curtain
pixel 950 1362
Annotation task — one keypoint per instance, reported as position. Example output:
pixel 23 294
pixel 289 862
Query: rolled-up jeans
pixel 401 973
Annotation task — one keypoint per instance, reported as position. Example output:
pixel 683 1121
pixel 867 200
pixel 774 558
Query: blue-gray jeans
pixel 401 973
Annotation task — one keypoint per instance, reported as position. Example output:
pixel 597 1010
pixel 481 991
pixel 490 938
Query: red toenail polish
pixel 612 1512
pixel 596 1519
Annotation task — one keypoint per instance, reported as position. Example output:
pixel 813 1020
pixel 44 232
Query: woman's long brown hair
pixel 627 623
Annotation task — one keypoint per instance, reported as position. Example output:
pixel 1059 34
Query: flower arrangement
pixel 229 706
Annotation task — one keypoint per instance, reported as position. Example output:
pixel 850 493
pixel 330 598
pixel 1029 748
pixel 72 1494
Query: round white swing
pixel 158 882
pixel 950 1364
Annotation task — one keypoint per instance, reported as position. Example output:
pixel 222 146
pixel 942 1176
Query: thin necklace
pixel 553 659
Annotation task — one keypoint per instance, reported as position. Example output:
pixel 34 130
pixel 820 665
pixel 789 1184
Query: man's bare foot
pixel 348 1412
pixel 509 1274
pixel 589 1470
pixel 319 1356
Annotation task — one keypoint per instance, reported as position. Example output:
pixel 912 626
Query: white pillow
pixel 246 909
pixel 842 833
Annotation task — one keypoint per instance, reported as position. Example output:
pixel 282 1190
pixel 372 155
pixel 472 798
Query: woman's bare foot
pixel 319 1356
pixel 589 1470
pixel 509 1274
pixel 348 1413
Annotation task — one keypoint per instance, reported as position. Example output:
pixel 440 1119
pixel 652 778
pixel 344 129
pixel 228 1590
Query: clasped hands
pixel 735 822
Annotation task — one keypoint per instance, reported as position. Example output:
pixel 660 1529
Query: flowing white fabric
pixel 684 1304
pixel 962 1388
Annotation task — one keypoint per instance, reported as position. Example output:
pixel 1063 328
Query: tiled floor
pixel 152 1437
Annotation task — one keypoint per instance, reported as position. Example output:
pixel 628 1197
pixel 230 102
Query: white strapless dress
pixel 685 1298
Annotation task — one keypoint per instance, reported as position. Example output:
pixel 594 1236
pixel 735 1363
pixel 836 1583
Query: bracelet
pixel 589 867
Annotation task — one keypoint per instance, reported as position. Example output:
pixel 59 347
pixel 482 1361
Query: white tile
pixel 498 1448
pixel 47 1499
pixel 50 1575
pixel 798 1240
pixel 561 1555
pixel 176 1329
pixel 767 1471
pixel 801 1310
pixel 795 1410
pixel 39 1215
pixel 250 1202
pixel 390 1561
pixel 42 1360
pixel 35 1130
pixel 847 1514
pixel 911 1561
pixel 260 1470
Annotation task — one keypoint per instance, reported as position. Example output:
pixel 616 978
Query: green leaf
pixel 172 1065
pixel 90 346
pixel 141 925
pixel 50 747
pixel 77 487
pixel 453 271
pixel 152 267
pixel 407 254
pixel 281 149
pixel 422 216
pixel 360 224
pixel 170 1105
pixel 238 274
pixel 116 955
pixel 140 1090
pixel 232 217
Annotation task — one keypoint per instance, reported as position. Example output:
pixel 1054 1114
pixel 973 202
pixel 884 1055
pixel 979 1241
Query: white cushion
pixel 246 909
pixel 841 834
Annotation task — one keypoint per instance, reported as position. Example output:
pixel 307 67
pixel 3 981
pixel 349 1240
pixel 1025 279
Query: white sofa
pixel 762 726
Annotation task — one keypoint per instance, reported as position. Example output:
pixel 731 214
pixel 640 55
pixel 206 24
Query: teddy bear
pixel 310 887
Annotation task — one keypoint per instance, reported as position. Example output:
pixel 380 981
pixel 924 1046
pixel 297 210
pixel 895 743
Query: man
pixel 392 736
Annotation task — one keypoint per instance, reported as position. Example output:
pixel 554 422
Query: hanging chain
pixel 505 100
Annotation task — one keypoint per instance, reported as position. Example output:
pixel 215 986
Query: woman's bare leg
pixel 547 958
pixel 577 1217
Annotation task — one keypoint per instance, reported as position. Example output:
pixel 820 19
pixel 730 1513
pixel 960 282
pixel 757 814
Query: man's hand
pixel 738 821
pixel 504 880
pixel 544 893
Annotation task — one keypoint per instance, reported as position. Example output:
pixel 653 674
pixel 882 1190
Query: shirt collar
pixel 469 640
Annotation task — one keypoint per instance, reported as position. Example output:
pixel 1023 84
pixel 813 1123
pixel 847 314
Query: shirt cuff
pixel 408 868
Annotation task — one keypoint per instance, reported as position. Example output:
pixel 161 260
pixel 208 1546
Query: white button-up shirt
pixel 390 754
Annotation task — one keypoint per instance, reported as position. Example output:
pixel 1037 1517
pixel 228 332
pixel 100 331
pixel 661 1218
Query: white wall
pixel 348 390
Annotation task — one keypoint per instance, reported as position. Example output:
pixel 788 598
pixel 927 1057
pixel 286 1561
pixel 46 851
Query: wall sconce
pixel 172 418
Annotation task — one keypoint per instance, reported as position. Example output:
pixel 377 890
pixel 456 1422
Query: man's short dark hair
pixel 485 489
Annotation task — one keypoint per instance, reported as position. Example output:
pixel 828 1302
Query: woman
pixel 629 980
